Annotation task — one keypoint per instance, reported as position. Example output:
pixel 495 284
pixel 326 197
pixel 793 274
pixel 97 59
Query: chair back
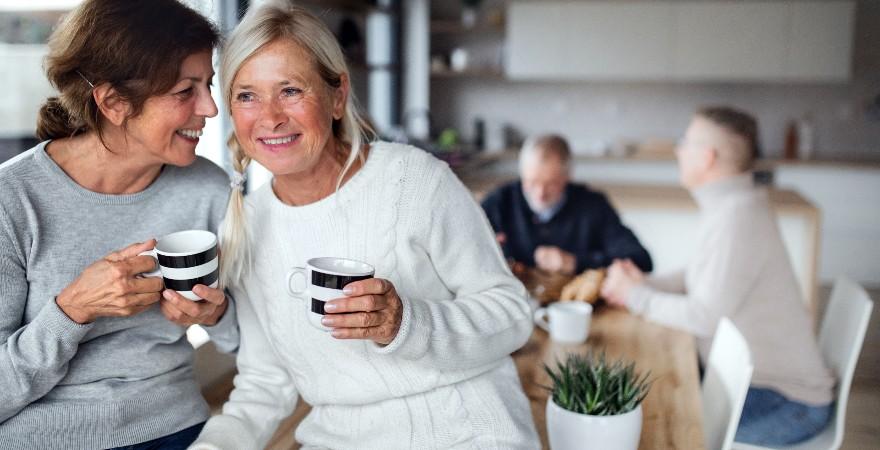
pixel 840 341
pixel 725 384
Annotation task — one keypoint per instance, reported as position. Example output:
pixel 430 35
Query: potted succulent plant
pixel 595 404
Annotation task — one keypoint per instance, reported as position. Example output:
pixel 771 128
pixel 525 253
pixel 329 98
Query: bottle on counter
pixel 479 134
pixel 790 151
pixel 806 137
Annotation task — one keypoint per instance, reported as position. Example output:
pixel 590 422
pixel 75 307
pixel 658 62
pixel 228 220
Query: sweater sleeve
pixel 671 282
pixel 224 333
pixel 263 396
pixel 489 316
pixel 730 272
pixel 34 356
pixel 618 242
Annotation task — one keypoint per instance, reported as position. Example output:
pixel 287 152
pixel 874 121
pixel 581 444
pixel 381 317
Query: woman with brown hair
pixel 93 355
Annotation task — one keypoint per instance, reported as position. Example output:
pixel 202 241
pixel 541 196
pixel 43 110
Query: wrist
pixel 72 312
pixel 569 264
pixel 218 314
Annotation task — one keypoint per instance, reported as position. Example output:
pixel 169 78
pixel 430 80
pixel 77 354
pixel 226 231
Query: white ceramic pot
pixel 572 431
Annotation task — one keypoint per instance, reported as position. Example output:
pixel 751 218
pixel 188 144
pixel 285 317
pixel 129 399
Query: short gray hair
pixel 543 147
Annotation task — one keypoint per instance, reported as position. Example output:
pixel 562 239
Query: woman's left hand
pixel 186 312
pixel 372 310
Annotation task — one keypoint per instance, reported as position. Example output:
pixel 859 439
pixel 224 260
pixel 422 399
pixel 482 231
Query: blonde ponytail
pixel 235 259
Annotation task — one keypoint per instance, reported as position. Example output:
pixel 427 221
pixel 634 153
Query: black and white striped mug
pixel 323 280
pixel 186 258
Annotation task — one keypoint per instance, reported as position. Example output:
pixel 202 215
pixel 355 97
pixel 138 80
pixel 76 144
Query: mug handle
pixel 541 319
pixel 155 273
pixel 297 271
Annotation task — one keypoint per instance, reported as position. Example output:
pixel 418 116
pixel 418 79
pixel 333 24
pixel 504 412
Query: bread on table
pixel 584 287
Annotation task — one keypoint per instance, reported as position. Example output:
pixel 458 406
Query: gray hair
pixel 543 147
pixel 270 21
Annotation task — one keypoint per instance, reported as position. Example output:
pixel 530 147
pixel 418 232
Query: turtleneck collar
pixel 715 192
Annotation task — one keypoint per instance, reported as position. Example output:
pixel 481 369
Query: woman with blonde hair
pixel 93 355
pixel 417 357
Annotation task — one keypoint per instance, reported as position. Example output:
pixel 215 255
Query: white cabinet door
pixel 535 41
pixel 847 197
pixel 614 40
pixel 770 40
pixel 730 40
pixel 820 46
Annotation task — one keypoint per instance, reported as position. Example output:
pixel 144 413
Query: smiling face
pixel 168 128
pixel 283 110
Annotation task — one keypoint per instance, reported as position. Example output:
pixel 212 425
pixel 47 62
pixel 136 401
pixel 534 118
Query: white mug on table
pixel 567 322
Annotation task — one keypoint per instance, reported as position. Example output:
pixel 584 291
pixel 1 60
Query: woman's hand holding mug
pixel 372 310
pixel 186 312
pixel 111 287
pixel 189 264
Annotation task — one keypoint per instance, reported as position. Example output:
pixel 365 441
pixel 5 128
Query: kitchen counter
pixel 484 159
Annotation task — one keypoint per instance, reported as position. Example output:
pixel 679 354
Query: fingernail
pixel 327 322
pixel 348 290
pixel 167 294
pixel 330 307
pixel 336 333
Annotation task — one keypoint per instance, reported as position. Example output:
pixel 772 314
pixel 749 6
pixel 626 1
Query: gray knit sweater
pixel 116 381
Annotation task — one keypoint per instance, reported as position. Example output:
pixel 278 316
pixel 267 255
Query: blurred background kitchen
pixel 469 79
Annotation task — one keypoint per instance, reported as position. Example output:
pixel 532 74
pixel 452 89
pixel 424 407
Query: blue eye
pixel 290 92
pixel 245 97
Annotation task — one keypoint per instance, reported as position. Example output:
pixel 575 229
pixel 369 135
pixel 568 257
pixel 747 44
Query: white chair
pixel 840 340
pixel 725 384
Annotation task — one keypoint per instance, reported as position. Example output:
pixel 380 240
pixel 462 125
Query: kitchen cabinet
pixel 730 40
pixel 574 40
pixel 847 197
pixel 536 47
pixel 821 41
pixel 639 49
pixel 680 40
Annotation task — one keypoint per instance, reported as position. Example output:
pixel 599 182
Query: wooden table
pixel 672 414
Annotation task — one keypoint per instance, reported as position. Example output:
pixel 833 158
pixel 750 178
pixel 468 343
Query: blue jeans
pixel 175 441
pixel 768 418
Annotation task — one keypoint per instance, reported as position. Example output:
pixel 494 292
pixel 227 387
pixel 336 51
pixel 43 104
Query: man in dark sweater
pixel 545 221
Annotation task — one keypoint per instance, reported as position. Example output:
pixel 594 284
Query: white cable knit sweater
pixel 446 381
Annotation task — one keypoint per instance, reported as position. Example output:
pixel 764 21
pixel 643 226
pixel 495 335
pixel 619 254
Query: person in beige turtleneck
pixel 741 271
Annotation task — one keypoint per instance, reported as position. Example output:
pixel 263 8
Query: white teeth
pixel 277 141
pixel 192 134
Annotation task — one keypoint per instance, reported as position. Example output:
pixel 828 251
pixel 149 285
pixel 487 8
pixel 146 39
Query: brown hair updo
pixel 136 46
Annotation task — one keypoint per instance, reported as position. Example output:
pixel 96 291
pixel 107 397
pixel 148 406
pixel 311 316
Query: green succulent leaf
pixel 592 385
